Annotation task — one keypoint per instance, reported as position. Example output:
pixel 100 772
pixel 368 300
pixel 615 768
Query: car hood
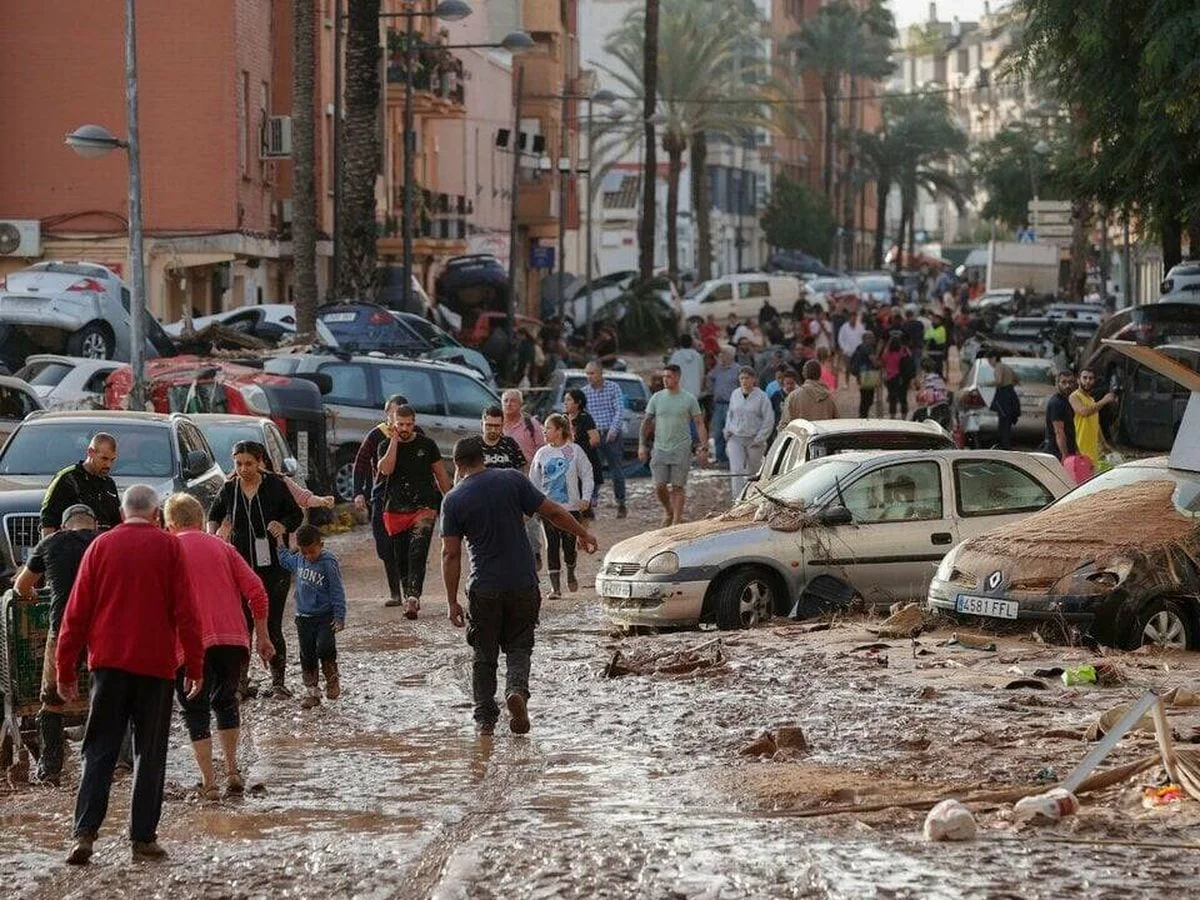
pixel 1038 552
pixel 642 547
pixel 34 486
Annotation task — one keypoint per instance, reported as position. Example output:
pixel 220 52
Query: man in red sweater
pixel 131 602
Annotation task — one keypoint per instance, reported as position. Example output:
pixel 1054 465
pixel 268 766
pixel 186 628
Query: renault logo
pixel 995 580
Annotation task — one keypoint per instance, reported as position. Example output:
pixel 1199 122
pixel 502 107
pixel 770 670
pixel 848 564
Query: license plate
pixel 15 305
pixel 339 318
pixel 986 606
pixel 620 589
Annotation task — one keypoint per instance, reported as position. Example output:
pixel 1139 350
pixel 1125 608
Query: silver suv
pixel 449 400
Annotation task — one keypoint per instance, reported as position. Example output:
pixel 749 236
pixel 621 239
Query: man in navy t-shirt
pixel 488 507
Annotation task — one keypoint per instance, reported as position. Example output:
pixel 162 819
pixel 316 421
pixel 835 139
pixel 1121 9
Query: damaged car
pixel 1118 558
pixel 868 525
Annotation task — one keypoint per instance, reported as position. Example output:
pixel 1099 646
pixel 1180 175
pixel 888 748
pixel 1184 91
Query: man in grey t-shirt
pixel 678 425
pixel 488 507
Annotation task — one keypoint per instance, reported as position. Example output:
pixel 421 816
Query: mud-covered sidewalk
pixel 638 785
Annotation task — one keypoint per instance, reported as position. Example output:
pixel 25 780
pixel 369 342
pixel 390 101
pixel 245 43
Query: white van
pixel 742 295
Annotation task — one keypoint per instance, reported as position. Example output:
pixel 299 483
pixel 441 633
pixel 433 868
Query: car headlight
pixel 665 563
pixel 945 568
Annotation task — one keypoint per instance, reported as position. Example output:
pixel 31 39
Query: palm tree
pixel 304 188
pixel 650 165
pixel 361 155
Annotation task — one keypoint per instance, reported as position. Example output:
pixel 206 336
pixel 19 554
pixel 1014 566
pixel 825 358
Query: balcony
pixel 439 85
pixel 441 224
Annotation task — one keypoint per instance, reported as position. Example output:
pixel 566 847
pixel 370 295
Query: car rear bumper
pixel 651 603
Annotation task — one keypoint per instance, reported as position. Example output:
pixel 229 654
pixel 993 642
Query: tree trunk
pixel 1193 233
pixel 361 155
pixel 829 91
pixel 882 187
pixel 650 165
pixel 1172 239
pixel 701 209
pixel 304 187
pixel 1081 214
pixel 674 144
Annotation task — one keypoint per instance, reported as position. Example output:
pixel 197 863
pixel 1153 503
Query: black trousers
pixel 316 639
pixel 222 669
pixel 500 620
pixel 119 699
pixel 555 539
pixel 866 397
pixel 383 548
pixel 277 581
pixel 897 395
pixel 410 553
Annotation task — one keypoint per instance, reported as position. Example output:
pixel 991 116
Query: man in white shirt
pixel 691 366
pixel 747 427
pixel 849 337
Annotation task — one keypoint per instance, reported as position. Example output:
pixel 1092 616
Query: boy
pixel 320 611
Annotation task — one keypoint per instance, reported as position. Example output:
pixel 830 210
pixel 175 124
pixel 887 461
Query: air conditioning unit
pixel 285 211
pixel 277 137
pixel 20 237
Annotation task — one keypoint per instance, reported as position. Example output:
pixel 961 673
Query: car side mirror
pixel 291 467
pixel 197 463
pixel 835 515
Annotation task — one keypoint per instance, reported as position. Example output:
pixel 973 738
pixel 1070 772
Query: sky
pixel 908 12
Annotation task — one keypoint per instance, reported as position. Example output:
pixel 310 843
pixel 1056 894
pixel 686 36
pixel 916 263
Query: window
pixel 753 289
pixel 781 453
pixel 349 384
pixel 905 492
pixel 15 404
pixel 278 448
pixel 719 293
pixel 44 374
pixel 992 488
pixel 415 385
pixel 466 398
pixel 95 384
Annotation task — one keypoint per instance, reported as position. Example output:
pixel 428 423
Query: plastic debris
pixel 1079 675
pixel 1162 796
pixel 949 821
pixel 1048 807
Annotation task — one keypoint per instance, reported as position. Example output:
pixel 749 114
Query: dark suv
pixel 166 451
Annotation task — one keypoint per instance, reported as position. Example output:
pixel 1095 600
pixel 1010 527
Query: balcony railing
pixel 439 217
pixel 436 70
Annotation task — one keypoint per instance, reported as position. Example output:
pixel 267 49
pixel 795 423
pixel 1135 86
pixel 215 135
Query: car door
pixel 990 492
pixel 466 399
pixel 352 405
pixel 1152 402
pixel 206 485
pixel 719 302
pixel 420 387
pixel 903 524
pixel 751 291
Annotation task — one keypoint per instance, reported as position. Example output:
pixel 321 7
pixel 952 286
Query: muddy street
pixel 637 785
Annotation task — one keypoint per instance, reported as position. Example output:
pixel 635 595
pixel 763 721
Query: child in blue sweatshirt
pixel 320 611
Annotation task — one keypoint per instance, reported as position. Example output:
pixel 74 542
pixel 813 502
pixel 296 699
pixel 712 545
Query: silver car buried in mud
pixel 870 525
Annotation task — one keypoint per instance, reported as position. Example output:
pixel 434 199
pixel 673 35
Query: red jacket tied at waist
pixel 220 579
pixel 132 599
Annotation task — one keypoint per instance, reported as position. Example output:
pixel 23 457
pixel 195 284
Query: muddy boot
pixel 572 582
pixel 412 606
pixel 278 688
pixel 312 692
pixel 622 512
pixel 81 853
pixel 555 585
pixel 333 684
pixel 50 757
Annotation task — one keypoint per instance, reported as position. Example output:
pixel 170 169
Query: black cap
pixel 77 509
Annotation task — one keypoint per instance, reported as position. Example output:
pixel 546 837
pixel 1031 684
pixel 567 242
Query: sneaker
pixel 622 512
pixel 572 581
pixel 519 723
pixel 411 607
pixel 147 850
pixel 280 690
pixel 395 601
pixel 81 853
pixel 235 784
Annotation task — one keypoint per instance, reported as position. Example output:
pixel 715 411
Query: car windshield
pixel 43 448
pixel 222 437
pixel 1187 485
pixel 44 374
pixel 805 485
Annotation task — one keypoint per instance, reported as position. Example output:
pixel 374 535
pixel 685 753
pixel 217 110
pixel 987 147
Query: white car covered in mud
pixel 854 525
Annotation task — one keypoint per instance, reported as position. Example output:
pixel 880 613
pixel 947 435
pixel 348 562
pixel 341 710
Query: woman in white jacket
pixel 561 471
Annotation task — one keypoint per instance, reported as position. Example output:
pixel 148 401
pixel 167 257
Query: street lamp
pixel 92 142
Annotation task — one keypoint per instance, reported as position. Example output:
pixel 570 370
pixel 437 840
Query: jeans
pixel 897 395
pixel 500 620
pixel 119 698
pixel 720 414
pixel 410 553
pixel 277 581
pixel 222 668
pixel 556 539
pixel 316 639
pixel 613 453
pixel 744 460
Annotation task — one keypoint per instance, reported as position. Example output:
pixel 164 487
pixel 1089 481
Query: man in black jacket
pixel 87 482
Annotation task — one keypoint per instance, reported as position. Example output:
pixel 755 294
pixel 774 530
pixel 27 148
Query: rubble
pixel 707 655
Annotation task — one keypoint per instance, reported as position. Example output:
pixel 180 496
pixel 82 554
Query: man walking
pixel 606 403
pixel 812 400
pixel 130 618
pixel 87 482
pixel 488 507
pixel 751 420
pixel 55 560
pixel 671 413
pixel 499 450
pixel 414 479
pixel 368 489
pixel 722 382
pixel 691 365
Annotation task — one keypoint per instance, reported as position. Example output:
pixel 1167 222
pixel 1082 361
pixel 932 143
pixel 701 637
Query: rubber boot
pixel 555 585
pixel 50 735
pixel 333 684
pixel 312 693
pixel 572 582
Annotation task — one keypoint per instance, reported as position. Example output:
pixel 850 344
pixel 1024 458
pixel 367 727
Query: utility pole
pixel 338 241
pixel 410 151
pixel 512 225
pixel 137 298
pixel 562 201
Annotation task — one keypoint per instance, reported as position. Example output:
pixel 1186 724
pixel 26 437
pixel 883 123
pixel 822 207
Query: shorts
pixel 670 466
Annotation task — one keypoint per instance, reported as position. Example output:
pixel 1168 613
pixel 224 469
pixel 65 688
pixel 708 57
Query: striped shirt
pixel 606 405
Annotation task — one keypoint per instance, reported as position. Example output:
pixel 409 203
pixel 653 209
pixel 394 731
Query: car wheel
pixel 744 598
pixel 343 477
pixel 1164 623
pixel 91 341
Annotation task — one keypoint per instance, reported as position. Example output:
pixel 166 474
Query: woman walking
pixel 584 433
pixel 865 368
pixel 897 372
pixel 254 512
pixel 1005 404
pixel 561 471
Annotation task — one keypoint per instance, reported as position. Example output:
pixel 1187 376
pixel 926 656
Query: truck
pixel 1033 268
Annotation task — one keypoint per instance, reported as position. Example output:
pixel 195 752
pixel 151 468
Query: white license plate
pixel 621 589
pixel 986 606
pixel 338 318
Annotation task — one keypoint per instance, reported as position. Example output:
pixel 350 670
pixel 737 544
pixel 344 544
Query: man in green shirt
pixel 674 417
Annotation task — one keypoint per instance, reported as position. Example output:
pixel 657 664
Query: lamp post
pixel 607 98
pixel 92 141
pixel 1042 150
